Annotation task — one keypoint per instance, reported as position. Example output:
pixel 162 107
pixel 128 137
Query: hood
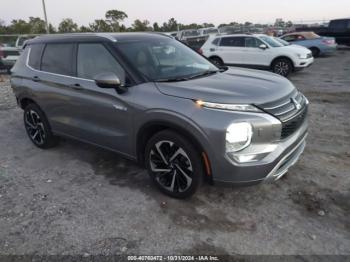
pixel 296 48
pixel 300 47
pixel 236 86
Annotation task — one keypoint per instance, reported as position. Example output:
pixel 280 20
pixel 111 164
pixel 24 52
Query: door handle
pixel 35 78
pixel 76 86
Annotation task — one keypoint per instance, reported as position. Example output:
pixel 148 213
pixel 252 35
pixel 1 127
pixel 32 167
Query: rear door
pixel 231 49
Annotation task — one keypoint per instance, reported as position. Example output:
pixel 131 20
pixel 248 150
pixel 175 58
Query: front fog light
pixel 238 136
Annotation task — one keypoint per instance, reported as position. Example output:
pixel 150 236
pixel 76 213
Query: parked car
pixel 337 28
pixel 192 38
pixel 317 44
pixel 208 31
pixel 8 57
pixel 154 100
pixel 256 51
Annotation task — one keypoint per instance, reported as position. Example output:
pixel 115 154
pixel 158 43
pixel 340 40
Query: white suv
pixel 256 51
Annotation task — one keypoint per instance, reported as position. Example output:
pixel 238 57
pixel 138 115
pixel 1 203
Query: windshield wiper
pixel 177 79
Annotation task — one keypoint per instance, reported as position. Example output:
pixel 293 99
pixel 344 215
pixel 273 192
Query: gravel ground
pixel 77 199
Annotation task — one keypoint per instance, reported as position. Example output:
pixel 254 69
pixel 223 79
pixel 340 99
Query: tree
pixel 140 26
pixel 156 27
pixel 171 25
pixel 37 25
pixel 84 29
pixel 67 26
pixel 100 25
pixel 114 17
pixel 19 27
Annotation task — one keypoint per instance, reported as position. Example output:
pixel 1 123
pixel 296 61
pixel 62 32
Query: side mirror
pixel 110 80
pixel 263 46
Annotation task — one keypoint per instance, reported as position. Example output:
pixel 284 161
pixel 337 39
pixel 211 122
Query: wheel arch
pixel 25 101
pixel 215 56
pixel 282 57
pixel 151 128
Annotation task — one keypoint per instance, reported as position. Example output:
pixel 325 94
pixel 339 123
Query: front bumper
pixel 270 168
pixel 303 63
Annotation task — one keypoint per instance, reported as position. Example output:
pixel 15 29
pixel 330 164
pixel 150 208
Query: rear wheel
pixel 174 164
pixel 38 128
pixel 282 66
pixel 217 61
pixel 315 51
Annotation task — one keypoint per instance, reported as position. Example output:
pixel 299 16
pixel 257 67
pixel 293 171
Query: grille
pixel 290 111
pixel 293 124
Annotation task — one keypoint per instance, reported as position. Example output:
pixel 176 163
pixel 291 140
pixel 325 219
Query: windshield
pixel 191 33
pixel 211 31
pixel 272 42
pixel 163 59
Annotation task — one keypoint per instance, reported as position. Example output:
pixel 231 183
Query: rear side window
pixel 232 41
pixel 58 58
pixel 94 59
pixel 35 56
pixel 216 41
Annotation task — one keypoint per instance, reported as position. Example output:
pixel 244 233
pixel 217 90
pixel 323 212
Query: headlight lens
pixel 232 107
pixel 302 56
pixel 238 136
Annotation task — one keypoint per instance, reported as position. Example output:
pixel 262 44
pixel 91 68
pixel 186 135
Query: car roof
pixel 113 37
pixel 307 35
pixel 240 35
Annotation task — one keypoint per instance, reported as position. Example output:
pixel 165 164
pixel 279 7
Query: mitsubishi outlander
pixel 154 100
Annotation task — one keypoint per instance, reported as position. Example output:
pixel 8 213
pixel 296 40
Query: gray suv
pixel 154 100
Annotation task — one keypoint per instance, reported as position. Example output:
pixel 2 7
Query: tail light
pixel 328 41
pixel 200 51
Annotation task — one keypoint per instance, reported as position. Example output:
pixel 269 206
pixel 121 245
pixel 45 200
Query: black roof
pixel 107 37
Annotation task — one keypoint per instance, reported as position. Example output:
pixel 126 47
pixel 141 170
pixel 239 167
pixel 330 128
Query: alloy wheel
pixel 35 127
pixel 171 166
pixel 282 68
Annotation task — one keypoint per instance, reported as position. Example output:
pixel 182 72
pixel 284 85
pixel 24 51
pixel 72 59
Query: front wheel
pixel 217 61
pixel 282 66
pixel 173 164
pixel 38 128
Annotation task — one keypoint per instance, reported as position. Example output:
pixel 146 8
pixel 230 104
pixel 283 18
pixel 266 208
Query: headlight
pixel 238 136
pixel 302 56
pixel 232 107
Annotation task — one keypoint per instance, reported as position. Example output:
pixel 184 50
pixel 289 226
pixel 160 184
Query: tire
pixel 315 51
pixel 282 66
pixel 217 61
pixel 38 128
pixel 173 164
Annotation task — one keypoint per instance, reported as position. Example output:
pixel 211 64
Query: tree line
pixel 112 23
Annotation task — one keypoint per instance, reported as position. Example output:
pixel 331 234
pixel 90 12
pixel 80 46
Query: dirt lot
pixel 77 199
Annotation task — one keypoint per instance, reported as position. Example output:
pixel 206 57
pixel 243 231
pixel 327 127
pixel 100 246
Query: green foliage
pixel 67 26
pixel 112 23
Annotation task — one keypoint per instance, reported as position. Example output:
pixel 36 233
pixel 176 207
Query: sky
pixel 184 11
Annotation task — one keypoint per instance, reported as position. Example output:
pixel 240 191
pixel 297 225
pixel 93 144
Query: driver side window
pixel 94 59
pixel 252 42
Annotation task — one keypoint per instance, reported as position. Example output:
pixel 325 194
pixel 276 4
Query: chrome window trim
pixel 50 73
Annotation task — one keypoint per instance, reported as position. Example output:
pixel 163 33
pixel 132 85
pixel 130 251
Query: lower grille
pixel 293 124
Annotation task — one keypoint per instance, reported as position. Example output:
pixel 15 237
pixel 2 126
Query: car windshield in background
pixel 272 42
pixel 165 60
pixel 283 42
pixel 211 31
pixel 191 33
